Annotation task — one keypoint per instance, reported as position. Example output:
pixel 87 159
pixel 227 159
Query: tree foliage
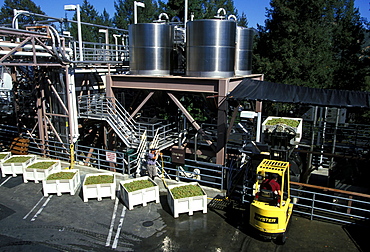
pixel 349 36
pixel 198 9
pixel 124 15
pixel 7 13
pixel 106 20
pixel 88 14
pixel 314 43
pixel 242 20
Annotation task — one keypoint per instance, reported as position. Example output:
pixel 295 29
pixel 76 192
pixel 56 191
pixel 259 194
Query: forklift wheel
pixel 281 239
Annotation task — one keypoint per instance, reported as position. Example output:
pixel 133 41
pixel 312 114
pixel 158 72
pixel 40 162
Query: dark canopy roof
pixel 250 89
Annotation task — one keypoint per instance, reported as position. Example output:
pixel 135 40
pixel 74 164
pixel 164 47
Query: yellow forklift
pixel 270 212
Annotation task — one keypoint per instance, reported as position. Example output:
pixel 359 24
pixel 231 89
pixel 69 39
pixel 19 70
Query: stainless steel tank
pixel 150 48
pixel 210 45
pixel 244 47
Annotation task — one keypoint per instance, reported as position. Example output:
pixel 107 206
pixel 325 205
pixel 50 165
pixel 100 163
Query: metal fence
pixel 101 158
pixel 330 204
pixel 314 202
pixel 207 174
pixel 83 155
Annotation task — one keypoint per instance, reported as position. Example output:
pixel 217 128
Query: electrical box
pixel 178 155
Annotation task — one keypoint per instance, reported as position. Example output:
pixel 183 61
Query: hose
pixel 72 156
pixel 163 180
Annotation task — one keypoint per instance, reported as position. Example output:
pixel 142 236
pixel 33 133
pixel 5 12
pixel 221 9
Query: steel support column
pixel 189 117
pixel 142 104
pixel 72 106
pixel 222 103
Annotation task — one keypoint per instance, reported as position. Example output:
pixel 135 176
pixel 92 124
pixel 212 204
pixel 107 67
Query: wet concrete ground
pixel 31 222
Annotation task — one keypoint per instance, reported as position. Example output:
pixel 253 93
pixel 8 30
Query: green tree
pixel 7 13
pixel 212 6
pixel 348 38
pixel 300 43
pixel 105 18
pixel 199 9
pixel 90 15
pixel 176 8
pixel 242 20
pixel 294 46
pixel 124 15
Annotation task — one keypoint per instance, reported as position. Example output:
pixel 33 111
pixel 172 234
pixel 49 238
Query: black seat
pixel 268 196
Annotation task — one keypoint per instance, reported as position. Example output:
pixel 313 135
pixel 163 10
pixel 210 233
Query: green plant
pixel 17 159
pixel 61 175
pixel 2 156
pixel 138 185
pixel 186 191
pixel 100 179
pixel 42 165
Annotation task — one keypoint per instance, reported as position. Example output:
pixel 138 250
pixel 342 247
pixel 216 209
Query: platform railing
pixel 317 202
pixel 104 52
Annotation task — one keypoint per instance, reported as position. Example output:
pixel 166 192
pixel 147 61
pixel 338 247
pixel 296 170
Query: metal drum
pixel 210 48
pixel 244 47
pixel 150 48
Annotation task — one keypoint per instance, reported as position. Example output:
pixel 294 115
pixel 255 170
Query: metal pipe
pixel 161 15
pixel 175 18
pixel 335 136
pixel 323 138
pixel 17 13
pixel 186 13
pixel 309 162
pixel 259 123
pixel 105 31
pixel 116 42
pixel 195 146
pixel 79 32
pixel 219 12
pixel 29 47
pixel 232 17
pixel 137 4
pixel 28 54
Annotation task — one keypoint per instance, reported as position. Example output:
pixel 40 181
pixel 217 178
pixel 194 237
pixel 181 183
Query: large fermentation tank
pixel 244 47
pixel 210 45
pixel 150 48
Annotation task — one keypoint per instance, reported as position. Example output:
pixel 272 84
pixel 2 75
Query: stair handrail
pixel 119 130
pixel 141 152
pixel 114 106
pixel 155 141
pixel 109 109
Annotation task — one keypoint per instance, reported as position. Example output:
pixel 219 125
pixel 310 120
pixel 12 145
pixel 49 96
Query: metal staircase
pixel 99 107
pixel 109 109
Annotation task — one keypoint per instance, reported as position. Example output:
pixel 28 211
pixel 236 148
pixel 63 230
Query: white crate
pixel 60 186
pixel 99 190
pixel 138 197
pixel 7 156
pixel 40 174
pixel 16 168
pixel 298 130
pixel 186 205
